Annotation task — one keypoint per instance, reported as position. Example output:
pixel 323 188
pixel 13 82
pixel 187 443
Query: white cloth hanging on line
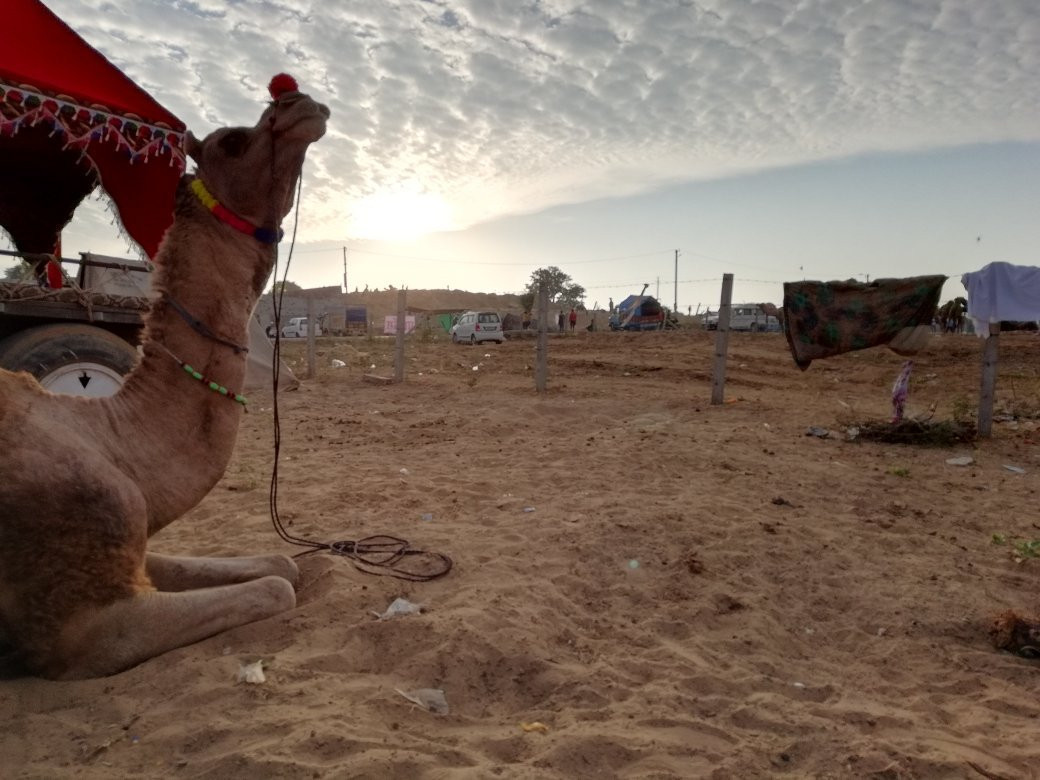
pixel 1002 291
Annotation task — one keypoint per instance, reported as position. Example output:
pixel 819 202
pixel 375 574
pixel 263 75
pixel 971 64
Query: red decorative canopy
pixel 70 120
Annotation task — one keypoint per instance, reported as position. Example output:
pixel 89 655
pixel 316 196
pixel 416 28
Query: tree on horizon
pixel 562 289
pixel 276 288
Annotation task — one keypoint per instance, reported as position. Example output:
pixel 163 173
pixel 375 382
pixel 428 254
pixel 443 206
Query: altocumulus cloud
pixel 498 107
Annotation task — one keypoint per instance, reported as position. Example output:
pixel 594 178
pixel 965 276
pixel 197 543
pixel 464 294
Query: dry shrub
pixel 925 433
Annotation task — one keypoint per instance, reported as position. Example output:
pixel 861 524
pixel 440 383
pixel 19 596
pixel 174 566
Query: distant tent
pixel 638 312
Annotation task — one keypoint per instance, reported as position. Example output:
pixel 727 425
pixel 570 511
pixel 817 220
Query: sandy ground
pixel 673 589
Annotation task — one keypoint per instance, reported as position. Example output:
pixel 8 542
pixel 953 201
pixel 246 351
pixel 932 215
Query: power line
pixel 709 280
pixel 442 260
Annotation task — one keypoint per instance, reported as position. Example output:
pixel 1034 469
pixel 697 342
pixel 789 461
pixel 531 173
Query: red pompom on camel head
pixel 281 84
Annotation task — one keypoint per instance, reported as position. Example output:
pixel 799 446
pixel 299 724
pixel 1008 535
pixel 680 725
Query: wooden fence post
pixel 312 369
pixel 989 379
pixel 541 372
pixel 718 373
pixel 399 347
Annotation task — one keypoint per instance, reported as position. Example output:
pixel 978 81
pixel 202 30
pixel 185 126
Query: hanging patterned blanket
pixel 827 318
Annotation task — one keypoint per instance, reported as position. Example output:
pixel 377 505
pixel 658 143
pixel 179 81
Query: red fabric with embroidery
pixel 40 50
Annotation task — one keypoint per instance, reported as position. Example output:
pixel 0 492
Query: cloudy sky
pixel 473 141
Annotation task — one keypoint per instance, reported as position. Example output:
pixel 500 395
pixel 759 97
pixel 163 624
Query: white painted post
pixel 718 374
pixel 989 380
pixel 312 370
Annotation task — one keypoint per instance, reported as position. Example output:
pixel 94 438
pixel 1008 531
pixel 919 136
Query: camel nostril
pixel 324 110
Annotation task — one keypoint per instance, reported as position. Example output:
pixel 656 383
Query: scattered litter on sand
pixel 399 607
pixel 430 699
pixel 535 726
pixel 251 673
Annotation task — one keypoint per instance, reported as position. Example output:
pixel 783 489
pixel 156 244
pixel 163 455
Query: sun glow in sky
pixel 404 214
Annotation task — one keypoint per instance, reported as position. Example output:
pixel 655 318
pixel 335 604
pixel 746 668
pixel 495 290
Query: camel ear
pixel 193 147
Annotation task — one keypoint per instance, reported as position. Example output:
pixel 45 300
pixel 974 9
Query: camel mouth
pixel 305 121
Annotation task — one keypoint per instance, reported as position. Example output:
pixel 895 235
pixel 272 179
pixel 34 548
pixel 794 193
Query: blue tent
pixel 637 312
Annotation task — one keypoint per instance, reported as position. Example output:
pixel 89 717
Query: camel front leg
pixel 171 573
pixel 121 635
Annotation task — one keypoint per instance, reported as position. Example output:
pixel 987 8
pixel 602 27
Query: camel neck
pixel 189 427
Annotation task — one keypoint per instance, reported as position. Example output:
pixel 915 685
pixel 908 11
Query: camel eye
pixel 234 144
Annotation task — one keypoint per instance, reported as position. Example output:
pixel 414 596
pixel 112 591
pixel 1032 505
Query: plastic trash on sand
pixel 251 673
pixel 963 460
pixel 534 726
pixel 399 607
pixel 430 699
pixel 337 363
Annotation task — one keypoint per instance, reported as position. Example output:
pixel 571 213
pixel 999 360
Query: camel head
pixel 252 171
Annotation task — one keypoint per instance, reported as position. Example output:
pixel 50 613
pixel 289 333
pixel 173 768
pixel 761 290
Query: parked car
pixel 476 326
pixel 297 329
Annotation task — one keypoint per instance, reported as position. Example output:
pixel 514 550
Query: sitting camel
pixel 80 596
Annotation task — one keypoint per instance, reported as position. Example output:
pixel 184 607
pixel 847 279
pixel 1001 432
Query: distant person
pixel 526 322
pixel 560 320
pixel 573 318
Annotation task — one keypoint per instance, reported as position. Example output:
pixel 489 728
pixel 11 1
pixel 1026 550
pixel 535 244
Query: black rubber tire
pixel 46 349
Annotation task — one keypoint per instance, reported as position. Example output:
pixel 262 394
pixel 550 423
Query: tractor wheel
pixel 70 358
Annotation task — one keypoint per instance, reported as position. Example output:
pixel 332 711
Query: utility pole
pixel 675 300
pixel 345 288
pixel 658 293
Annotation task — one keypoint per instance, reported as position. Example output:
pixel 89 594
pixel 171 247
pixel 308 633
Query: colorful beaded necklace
pixel 228 217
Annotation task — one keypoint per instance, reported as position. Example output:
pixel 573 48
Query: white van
pixel 745 316
pixel 297 329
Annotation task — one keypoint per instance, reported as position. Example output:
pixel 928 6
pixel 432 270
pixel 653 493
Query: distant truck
pixel 352 322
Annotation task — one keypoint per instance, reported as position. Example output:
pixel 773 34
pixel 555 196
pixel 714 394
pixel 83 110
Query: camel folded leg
pixel 121 635
pixel 170 573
